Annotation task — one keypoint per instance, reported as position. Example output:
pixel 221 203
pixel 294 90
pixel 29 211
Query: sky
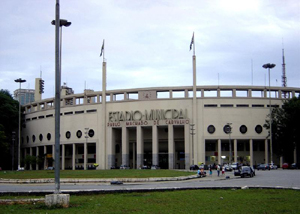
pixel 147 43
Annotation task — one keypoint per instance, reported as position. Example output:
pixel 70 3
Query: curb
pixel 96 180
pixel 128 190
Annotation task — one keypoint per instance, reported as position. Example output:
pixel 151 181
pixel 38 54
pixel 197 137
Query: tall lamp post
pixel 59 23
pixel 20 81
pixel 270 66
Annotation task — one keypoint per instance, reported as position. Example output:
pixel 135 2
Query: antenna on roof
pixel 284 80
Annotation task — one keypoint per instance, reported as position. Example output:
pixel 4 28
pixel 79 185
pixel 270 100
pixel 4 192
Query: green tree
pixel 9 110
pixel 286 129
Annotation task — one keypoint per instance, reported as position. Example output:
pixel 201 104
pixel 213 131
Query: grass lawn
pixel 132 173
pixel 189 201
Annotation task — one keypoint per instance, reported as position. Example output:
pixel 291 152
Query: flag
pixel 102 48
pixel 192 42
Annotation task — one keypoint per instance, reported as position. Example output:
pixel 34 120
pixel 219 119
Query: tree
pixel 9 111
pixel 286 129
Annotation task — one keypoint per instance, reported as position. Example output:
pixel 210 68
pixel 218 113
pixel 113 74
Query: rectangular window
pixel 226 105
pixel 242 105
pixel 210 105
pixel 92 149
pixel 80 150
pixel 91 110
pixel 91 160
pixel 79 112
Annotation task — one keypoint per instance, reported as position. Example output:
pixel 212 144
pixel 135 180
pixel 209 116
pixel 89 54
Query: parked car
pixel 124 167
pixel 273 166
pixel 263 167
pixel 194 167
pixel 145 167
pixel 228 167
pixel 234 166
pixel 253 170
pixel 155 167
pixel 246 171
pixel 295 165
pixel 237 172
pixel 285 166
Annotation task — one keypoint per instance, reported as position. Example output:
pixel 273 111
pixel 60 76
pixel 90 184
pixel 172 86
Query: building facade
pixel 154 126
pixel 24 95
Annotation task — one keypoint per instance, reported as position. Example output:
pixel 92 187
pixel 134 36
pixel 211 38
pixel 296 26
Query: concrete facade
pixel 153 126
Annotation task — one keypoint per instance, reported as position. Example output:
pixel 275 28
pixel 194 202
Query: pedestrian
pixel 223 170
pixel 210 171
pixel 218 170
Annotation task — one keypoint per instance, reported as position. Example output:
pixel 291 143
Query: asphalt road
pixel 273 179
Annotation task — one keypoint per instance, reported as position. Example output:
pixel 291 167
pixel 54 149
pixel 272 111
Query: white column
pixel 139 146
pixel 63 157
pixel 219 152
pixel 133 155
pixel 37 155
pixel 171 146
pixel 30 153
pixel 45 158
pixel 155 149
pixel 73 156
pixel 110 147
pixel 235 150
pixel 187 146
pixel 266 151
pixel 295 155
pixel 85 156
pixel 125 146
pixel 251 152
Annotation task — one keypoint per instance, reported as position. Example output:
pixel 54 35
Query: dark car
pixel 246 171
pixel 194 167
pixel 263 167
pixel 295 166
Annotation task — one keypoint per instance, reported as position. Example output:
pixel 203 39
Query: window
pixel 243 129
pixel 33 138
pixel 68 135
pixel 211 129
pixel 91 133
pixel 258 129
pixel 41 137
pixel 48 136
pixel 79 134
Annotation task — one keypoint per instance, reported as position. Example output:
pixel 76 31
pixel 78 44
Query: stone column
pixel 155 149
pixel 139 146
pixel 63 157
pixel 171 146
pixel 133 155
pixel 111 147
pixel 125 146
pixel 219 151
pixel 74 156
pixel 187 145
pixel 45 158
pixel 251 152
pixel 37 155
pixel 85 156
pixel 266 151
pixel 30 153
pixel 235 150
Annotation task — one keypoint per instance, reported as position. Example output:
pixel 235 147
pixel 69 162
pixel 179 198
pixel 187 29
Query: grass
pixel 189 201
pixel 132 173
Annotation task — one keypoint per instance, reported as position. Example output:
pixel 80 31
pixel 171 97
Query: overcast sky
pixel 147 42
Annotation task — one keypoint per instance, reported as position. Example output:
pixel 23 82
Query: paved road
pixel 274 178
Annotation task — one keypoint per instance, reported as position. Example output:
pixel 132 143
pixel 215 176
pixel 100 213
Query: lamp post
pixel 59 23
pixel 20 81
pixel 192 133
pixel 270 66
pixel 228 130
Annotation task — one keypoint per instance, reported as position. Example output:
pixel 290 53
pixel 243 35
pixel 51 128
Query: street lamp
pixel 228 130
pixel 270 66
pixel 192 133
pixel 19 143
pixel 59 23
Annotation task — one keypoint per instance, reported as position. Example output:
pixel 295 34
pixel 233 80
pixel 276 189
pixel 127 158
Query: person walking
pixel 218 170
pixel 210 172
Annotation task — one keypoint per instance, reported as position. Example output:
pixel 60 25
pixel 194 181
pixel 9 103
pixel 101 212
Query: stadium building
pixel 172 127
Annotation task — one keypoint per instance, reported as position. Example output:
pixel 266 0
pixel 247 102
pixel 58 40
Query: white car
pixel 124 167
